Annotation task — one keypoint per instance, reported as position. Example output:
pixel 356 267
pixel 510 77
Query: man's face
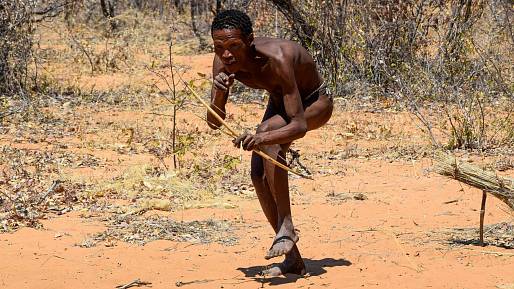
pixel 232 47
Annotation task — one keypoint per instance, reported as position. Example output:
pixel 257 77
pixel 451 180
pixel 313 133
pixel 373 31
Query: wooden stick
pixel 234 134
pixel 216 115
pixel 482 215
pixel 496 253
pixel 204 119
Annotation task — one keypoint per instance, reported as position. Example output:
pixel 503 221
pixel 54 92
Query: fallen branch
pixel 50 190
pixel 499 254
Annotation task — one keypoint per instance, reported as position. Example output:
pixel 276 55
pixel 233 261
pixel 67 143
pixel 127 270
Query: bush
pixel 455 53
pixel 16 32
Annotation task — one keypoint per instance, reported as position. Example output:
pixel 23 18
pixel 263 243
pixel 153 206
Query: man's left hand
pixel 248 141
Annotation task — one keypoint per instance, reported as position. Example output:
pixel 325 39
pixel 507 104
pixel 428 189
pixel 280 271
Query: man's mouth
pixel 229 62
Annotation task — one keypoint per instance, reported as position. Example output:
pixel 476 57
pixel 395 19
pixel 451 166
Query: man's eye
pixel 234 46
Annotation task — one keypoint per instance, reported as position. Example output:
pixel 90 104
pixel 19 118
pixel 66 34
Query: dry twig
pixel 134 283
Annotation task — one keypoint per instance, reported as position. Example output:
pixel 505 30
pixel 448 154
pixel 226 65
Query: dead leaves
pixel 143 229
pixel 27 192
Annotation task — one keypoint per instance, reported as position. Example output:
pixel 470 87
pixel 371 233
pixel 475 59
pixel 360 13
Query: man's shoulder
pixel 276 48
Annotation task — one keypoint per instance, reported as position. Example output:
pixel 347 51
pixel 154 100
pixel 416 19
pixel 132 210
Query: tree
pixel 302 29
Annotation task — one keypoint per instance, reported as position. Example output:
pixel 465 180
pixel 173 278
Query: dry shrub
pixel 455 53
pixel 143 229
pixel 16 32
pixel 466 82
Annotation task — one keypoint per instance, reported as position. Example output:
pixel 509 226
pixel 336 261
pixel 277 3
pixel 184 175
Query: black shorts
pixel 273 109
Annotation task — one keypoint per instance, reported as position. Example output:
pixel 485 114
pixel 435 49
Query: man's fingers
pixel 224 81
pixel 249 145
pixel 223 76
pixel 219 84
pixel 230 80
pixel 239 139
pixel 247 140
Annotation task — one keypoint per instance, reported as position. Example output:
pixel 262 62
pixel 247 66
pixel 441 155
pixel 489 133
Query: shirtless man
pixel 298 103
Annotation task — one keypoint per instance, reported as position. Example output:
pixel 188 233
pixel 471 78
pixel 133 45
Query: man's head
pixel 232 34
pixel 232 19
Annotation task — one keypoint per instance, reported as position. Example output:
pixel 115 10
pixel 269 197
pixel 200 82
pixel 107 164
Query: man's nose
pixel 226 54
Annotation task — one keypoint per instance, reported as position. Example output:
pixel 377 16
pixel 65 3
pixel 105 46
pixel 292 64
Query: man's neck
pixel 255 64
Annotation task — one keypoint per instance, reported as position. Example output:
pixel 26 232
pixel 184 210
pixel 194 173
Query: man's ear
pixel 249 39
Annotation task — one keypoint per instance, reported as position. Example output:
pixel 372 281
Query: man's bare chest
pixel 263 80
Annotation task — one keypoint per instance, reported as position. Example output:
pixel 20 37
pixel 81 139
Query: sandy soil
pixel 396 237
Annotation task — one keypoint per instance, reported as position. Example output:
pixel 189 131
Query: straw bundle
pixel 500 187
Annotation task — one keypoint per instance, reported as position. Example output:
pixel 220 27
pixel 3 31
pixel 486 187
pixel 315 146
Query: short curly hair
pixel 232 19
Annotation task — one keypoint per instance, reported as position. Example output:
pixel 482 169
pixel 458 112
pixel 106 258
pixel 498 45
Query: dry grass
pixel 499 235
pixel 32 186
pixel 147 182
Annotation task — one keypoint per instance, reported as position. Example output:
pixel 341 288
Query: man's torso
pixel 273 51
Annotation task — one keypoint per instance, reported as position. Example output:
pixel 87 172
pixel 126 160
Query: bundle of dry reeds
pixel 500 187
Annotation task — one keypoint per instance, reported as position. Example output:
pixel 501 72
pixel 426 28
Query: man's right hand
pixel 223 81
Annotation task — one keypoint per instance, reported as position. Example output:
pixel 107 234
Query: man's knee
pixel 272 150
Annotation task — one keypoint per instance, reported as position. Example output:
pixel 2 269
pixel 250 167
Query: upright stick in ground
pixel 482 215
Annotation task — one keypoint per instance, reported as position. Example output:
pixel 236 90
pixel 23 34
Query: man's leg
pixel 293 262
pixel 277 179
pixel 271 182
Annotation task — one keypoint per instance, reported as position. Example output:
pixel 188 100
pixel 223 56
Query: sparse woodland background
pixel 450 57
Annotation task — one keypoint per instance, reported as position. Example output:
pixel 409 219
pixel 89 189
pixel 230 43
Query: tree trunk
pixel 303 30
pixel 194 11
pixel 108 12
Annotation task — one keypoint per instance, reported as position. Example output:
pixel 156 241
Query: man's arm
pixel 219 93
pixel 297 127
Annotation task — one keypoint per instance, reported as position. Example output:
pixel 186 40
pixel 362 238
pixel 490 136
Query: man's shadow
pixel 314 268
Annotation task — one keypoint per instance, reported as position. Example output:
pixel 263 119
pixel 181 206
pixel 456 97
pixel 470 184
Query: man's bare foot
pixel 290 265
pixel 282 245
